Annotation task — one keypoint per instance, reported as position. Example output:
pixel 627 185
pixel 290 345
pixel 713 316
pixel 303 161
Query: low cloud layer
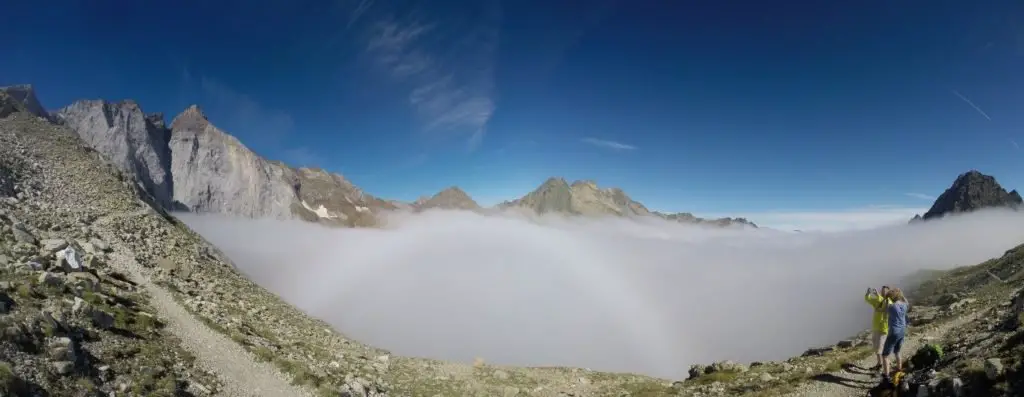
pixel 649 297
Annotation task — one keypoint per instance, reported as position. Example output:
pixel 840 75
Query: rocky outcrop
pixel 134 142
pixel 214 172
pixel 329 197
pixel 585 198
pixel 25 95
pixel 972 191
pixel 686 217
pixel 451 198
pixel 556 195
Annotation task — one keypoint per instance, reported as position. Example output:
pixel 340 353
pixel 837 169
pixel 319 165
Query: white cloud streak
pixel 1014 143
pixel 654 296
pixel 968 101
pixel 608 144
pixel 450 68
pixel 921 196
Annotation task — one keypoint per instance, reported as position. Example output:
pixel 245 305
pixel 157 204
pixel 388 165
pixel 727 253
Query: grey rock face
pixel 213 172
pixel 127 137
pixel 25 94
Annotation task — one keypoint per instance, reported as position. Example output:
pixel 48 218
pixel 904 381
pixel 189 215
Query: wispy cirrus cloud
pixel 242 111
pixel 608 144
pixel 263 129
pixel 968 101
pixel 1014 143
pixel 921 196
pixel 448 65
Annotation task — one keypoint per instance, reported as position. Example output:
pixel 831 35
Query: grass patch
pixel 86 384
pixel 717 376
pixel 301 375
pixel 25 291
pixel 10 383
pixel 262 353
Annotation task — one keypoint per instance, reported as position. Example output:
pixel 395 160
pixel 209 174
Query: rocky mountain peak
pixel 449 198
pixel 128 138
pixel 555 181
pixel 25 95
pixel 191 118
pixel 972 191
pixel 584 183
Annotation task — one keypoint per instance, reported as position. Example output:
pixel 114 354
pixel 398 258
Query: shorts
pixel 877 339
pixel 893 343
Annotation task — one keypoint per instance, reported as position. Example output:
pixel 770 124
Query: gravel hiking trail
pixel 855 379
pixel 242 375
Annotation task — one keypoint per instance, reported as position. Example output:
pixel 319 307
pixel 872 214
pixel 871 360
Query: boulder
pixel 70 260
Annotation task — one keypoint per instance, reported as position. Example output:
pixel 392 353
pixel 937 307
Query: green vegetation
pixel 10 384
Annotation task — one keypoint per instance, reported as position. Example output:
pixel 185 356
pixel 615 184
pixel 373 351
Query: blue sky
pixel 742 108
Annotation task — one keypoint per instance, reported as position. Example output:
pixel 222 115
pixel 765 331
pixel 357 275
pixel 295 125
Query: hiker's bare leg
pixel 899 362
pixel 878 356
pixel 885 365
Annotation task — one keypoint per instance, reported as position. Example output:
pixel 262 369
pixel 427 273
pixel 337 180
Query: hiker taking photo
pixel 879 321
pixel 896 312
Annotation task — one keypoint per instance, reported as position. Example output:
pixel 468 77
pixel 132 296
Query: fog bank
pixel 649 297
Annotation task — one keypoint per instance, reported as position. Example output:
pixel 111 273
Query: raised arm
pixel 871 297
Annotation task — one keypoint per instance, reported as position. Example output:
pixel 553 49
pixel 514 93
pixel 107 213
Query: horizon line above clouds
pixel 921 196
pixel 614 145
pixel 448 66
pixel 859 218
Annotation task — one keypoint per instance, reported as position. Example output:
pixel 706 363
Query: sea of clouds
pixel 647 296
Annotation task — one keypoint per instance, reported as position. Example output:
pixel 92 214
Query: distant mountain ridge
pixel 192 165
pixel 971 191
pixel 585 198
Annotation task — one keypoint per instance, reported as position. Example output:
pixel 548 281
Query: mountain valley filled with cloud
pixel 611 294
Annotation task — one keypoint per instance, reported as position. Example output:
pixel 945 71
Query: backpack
pixel 895 386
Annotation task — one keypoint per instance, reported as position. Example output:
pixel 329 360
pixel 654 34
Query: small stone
pixel 102 319
pixel 500 374
pixel 766 377
pixel 70 259
pixel 51 246
pixel 81 307
pixel 5 260
pixel 51 279
pixel 22 235
pixel 100 244
pixel 993 368
pixel 86 280
pixel 63 367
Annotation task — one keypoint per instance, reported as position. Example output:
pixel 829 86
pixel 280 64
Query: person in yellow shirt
pixel 879 321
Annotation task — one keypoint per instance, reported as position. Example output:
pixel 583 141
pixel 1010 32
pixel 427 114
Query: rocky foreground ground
pixel 103 295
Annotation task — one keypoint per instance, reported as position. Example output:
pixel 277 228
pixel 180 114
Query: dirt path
pixel 242 375
pixel 855 380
